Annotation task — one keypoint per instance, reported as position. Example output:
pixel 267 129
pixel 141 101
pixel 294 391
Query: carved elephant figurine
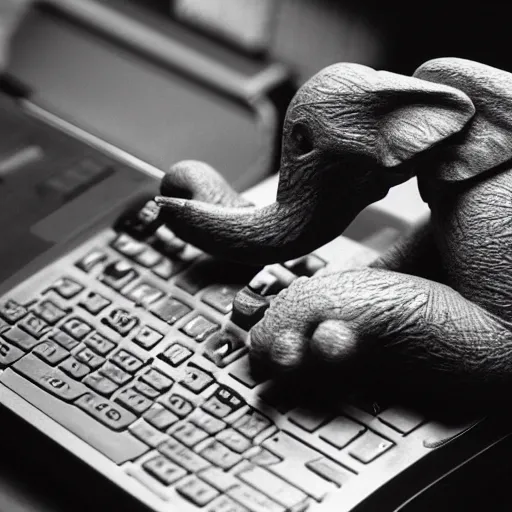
pixel 439 303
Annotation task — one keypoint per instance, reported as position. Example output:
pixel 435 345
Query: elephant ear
pixel 414 115
pixel 487 140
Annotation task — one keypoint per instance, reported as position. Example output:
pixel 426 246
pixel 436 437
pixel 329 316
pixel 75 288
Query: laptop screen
pixel 156 114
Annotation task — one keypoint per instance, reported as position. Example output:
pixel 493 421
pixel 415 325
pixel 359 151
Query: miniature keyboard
pixel 127 344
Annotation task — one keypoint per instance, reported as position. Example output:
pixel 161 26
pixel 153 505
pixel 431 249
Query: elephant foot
pixel 441 342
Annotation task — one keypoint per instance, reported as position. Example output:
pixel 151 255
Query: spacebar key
pixel 119 447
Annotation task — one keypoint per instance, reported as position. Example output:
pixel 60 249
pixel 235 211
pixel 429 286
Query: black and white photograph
pixel 255 256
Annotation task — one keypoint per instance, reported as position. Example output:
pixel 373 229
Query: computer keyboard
pixel 128 343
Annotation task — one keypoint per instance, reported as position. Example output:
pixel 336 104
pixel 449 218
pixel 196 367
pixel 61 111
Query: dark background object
pixel 394 35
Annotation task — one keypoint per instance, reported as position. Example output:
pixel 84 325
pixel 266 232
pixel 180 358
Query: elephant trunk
pixel 252 235
pixel 308 213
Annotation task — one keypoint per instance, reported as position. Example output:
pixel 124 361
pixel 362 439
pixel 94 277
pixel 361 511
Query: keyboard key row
pixel 118 446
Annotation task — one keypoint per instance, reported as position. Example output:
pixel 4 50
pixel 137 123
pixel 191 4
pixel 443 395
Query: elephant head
pixel 350 134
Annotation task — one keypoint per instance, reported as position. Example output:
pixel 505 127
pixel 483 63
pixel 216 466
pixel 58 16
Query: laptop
pixel 117 340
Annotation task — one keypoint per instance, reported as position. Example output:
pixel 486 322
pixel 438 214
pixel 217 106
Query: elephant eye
pixel 302 139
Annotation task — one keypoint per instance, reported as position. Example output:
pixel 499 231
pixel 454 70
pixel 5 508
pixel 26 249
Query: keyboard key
pixel 196 491
pixel 167 242
pixel 148 337
pixel 88 357
pixel 91 260
pixel 248 308
pixel 209 271
pixel 263 457
pixel 252 423
pixel 234 440
pixel 221 297
pixel 223 348
pixel 206 422
pixel 4 326
pixel 64 340
pixel 196 379
pixel 67 287
pixel 100 384
pixel 306 265
pixel 166 269
pixel 157 380
pixel 147 434
pixel 254 500
pixel 295 455
pixel 20 338
pixel 341 431
pixel 159 417
pixel 272 485
pixel 99 343
pixel 118 274
pixel 176 354
pixel 50 312
pixel 225 504
pixel 94 303
pixel 171 310
pixel 242 372
pixel 127 246
pixel 189 434
pixel 48 378
pixel 74 369
pixel 8 354
pixel 127 361
pixel 190 254
pixel 51 352
pixel 306 419
pixel 401 419
pixel 220 455
pixel 110 414
pixel 369 446
pixel 217 408
pixel 177 404
pixel 182 456
pixel 329 470
pixel 133 401
pixel 163 470
pixel 11 311
pixel 148 257
pixel 192 280
pixel 121 321
pixel 265 283
pixel 146 390
pixel 221 480
pixel 34 325
pixel 118 447
pixel 77 328
pixel 114 373
pixel 144 294
pixel 199 328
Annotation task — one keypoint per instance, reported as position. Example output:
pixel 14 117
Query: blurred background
pixel 310 34
pixel 227 70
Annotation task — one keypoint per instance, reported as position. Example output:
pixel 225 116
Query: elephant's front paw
pixel 303 322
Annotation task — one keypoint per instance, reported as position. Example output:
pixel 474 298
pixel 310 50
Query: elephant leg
pixel 431 332
pixel 415 254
